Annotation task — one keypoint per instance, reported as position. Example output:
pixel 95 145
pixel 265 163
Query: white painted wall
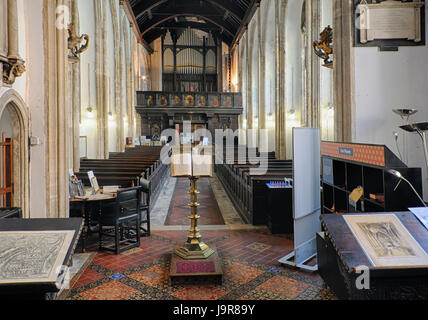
pixel 390 80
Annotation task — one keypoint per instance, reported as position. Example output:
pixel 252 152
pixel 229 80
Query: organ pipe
pixel 193 53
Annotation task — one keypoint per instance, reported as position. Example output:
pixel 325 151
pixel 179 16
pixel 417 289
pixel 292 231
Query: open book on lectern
pixel 192 162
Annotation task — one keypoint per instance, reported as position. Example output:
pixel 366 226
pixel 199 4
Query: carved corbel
pixel 13 69
pixel 75 44
pixel 324 47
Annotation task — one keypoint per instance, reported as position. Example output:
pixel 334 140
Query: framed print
pixel 176 100
pixel 201 100
pixel 33 256
pixel 386 241
pixel 214 100
pixel 163 100
pixel 190 100
pixel 227 100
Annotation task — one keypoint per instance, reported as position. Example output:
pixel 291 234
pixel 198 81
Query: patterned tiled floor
pixel 249 272
pixel 249 258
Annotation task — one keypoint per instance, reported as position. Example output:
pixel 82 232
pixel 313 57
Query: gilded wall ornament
pixel 75 44
pixel 324 47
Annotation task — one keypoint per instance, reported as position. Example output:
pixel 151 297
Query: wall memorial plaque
pixel 389 24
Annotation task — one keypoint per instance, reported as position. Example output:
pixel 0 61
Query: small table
pixel 339 254
pixel 36 289
pixel 86 214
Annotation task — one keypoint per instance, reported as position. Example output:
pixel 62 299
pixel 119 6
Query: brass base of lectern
pixel 194 251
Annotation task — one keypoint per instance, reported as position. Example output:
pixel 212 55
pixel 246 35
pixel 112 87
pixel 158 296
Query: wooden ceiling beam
pixel 146 5
pixel 134 25
pixel 228 6
pixel 172 16
pixel 248 16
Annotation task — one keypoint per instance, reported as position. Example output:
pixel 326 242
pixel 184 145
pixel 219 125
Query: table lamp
pixel 398 174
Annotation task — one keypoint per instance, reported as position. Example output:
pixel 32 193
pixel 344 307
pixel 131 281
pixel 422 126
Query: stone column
pixel 76 95
pixel 343 71
pixel 12 27
pixel 13 66
pixel 117 76
pixel 249 83
pixel 312 116
pixel 280 105
pixel 3 31
pixel 57 107
pixel 261 67
pixel 101 83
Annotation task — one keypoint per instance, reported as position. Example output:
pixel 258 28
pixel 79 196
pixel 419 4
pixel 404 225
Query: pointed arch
pixel 10 99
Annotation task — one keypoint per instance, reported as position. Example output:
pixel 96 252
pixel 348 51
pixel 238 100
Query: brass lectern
pixel 193 163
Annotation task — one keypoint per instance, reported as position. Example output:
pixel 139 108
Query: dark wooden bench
pixel 125 169
pixel 247 189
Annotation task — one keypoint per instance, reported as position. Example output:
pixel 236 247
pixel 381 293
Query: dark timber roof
pixel 224 18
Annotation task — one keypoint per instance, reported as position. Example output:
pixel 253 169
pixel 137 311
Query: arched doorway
pixel 13 109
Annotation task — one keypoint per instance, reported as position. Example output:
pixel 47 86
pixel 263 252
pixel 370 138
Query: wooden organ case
pixel 189 59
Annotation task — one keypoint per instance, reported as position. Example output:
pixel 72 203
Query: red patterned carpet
pixel 180 210
pixel 250 265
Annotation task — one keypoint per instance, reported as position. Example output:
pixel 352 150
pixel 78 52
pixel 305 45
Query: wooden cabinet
pixel 349 166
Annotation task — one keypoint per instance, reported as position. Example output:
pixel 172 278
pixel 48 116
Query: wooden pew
pixel 125 169
pixel 248 190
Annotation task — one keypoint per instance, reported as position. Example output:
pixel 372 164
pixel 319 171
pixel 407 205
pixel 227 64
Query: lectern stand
pixel 195 259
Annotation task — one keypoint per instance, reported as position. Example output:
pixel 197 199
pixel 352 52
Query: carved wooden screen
pixel 6 182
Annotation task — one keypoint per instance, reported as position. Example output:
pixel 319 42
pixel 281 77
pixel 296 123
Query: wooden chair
pixel 145 186
pixel 123 215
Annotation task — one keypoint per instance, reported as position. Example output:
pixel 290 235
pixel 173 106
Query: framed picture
pixel 227 100
pixel 190 100
pixel 150 100
pixel 176 100
pixel 48 250
pixel 163 100
pixel 386 241
pixel 201 100
pixel 214 100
